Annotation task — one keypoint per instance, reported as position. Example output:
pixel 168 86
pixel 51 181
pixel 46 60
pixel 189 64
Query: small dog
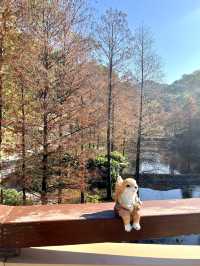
pixel 127 203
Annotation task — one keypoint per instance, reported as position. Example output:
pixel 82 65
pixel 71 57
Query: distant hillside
pixel 188 85
pixel 180 90
pixel 188 82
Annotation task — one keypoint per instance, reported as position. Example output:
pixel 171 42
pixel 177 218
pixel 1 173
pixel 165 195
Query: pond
pixel 168 191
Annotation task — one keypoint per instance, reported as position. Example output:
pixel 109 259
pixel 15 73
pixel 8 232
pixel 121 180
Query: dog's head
pixel 127 186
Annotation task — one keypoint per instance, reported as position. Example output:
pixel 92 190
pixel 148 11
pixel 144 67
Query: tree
pixel 53 26
pixel 114 42
pixel 147 68
pixel 58 30
pixel 22 96
pixel 7 24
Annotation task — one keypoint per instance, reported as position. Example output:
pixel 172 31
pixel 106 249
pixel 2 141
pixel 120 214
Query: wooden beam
pixel 27 226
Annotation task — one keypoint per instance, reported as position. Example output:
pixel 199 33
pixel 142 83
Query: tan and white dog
pixel 127 203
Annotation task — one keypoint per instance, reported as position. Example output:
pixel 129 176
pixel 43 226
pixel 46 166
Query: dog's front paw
pixel 128 227
pixel 136 226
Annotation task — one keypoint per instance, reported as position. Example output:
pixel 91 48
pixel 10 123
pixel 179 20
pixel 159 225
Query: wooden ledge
pixel 28 226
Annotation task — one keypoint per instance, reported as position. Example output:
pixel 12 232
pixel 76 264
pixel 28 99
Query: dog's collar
pixel 123 207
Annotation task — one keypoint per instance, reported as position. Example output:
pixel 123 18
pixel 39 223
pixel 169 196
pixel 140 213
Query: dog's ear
pixel 118 187
pixel 119 179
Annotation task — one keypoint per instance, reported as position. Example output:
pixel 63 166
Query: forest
pixel 83 99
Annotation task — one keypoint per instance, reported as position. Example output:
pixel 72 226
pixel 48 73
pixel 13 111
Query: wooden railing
pixel 28 226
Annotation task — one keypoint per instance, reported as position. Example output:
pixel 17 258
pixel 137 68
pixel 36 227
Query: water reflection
pixel 157 181
pixel 161 180
pixel 181 193
pixel 153 194
pixel 158 163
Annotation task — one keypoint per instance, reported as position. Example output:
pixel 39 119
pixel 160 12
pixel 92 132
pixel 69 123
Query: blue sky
pixel 175 25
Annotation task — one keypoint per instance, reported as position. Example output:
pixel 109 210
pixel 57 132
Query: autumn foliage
pixel 63 99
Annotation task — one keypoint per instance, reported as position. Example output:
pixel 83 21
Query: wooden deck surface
pixel 70 212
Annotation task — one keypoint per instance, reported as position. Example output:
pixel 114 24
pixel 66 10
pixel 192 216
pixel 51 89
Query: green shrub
pixel 118 164
pixel 12 197
pixel 93 198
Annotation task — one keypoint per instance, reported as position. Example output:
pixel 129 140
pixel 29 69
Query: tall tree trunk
pixel 109 140
pixel 138 147
pixel 90 138
pixel 82 144
pixel 82 196
pixel 60 161
pixel 98 142
pixel 124 143
pixel 45 150
pixel 113 128
pixel 1 196
pixel 82 175
pixel 1 100
pixel 23 132
pixel 1 86
pixel 189 142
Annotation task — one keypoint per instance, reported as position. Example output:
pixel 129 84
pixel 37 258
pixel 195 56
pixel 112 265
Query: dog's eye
pixel 127 185
pixel 136 187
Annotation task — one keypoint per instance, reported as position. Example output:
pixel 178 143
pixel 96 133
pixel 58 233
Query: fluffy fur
pixel 127 203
